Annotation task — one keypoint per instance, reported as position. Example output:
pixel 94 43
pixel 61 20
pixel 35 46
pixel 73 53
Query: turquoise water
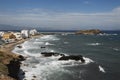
pixel 101 52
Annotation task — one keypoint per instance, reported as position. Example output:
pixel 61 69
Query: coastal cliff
pixel 9 62
pixel 88 32
pixel 9 66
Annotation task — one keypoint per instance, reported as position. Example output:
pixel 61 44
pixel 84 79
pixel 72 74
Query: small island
pixel 89 32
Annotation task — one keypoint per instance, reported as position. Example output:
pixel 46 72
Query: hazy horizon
pixel 60 14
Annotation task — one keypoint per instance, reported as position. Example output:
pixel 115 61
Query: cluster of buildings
pixel 10 36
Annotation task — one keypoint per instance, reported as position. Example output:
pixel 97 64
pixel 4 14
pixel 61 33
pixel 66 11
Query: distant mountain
pixel 12 27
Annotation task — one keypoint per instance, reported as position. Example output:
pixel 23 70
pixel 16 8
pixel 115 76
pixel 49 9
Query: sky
pixel 61 14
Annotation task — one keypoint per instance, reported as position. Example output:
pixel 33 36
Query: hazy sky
pixel 62 14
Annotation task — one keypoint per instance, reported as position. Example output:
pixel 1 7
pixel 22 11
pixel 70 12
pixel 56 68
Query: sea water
pixel 101 53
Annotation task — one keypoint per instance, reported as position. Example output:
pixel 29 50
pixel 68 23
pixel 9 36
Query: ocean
pixel 101 53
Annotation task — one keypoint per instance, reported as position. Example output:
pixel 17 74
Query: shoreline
pixel 12 60
pixel 7 48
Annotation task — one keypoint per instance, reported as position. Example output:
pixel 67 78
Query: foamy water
pixel 94 44
pixel 38 67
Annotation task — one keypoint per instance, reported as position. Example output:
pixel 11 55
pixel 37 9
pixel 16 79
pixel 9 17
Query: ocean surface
pixel 101 53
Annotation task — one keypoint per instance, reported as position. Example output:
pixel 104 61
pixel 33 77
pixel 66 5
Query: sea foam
pixel 38 67
pixel 101 69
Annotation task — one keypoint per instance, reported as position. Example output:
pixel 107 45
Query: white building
pixel 25 33
pixel 18 35
pixel 33 32
pixel 1 33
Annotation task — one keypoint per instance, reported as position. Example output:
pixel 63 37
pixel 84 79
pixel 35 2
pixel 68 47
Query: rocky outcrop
pixel 73 57
pixel 48 54
pixel 89 32
pixel 63 57
pixel 14 67
pixel 19 46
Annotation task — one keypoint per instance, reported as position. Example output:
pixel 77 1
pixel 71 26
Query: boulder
pixel 21 58
pixel 72 57
pixel 48 54
pixel 19 46
pixel 14 68
pixel 43 47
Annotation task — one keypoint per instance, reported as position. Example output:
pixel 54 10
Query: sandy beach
pixel 7 48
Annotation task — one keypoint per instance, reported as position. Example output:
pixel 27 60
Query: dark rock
pixel 72 57
pixel 43 47
pixel 21 58
pixel 34 76
pixel 48 54
pixel 19 46
pixel 13 68
pixel 23 73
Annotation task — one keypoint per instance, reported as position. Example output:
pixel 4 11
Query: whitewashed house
pixel 33 32
pixel 1 33
pixel 25 33
pixel 18 35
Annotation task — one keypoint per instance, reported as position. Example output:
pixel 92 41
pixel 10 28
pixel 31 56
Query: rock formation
pixel 72 57
pixel 48 54
pixel 88 32
pixel 14 67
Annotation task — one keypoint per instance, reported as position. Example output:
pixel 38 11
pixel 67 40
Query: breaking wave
pixel 39 67
pixel 101 69
pixel 94 44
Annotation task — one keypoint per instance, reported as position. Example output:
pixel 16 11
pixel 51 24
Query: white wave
pixel 101 69
pixel 66 42
pixel 47 66
pixel 87 60
pixel 40 43
pixel 52 51
pixel 38 67
pixel 49 38
pixel 106 34
pixel 116 49
pixel 31 54
pixel 47 43
pixel 94 44
pixel 41 70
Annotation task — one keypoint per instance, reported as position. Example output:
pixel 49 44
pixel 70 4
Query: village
pixel 10 36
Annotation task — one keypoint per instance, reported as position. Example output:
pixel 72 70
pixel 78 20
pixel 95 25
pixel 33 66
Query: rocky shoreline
pixel 13 61
pixel 10 62
pixel 14 67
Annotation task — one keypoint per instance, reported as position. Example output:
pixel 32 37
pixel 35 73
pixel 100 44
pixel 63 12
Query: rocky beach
pixel 10 62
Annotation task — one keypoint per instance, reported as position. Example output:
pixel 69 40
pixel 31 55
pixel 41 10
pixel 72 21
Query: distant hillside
pixel 10 27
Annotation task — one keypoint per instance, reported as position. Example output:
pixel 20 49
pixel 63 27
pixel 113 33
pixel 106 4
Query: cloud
pixel 64 20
